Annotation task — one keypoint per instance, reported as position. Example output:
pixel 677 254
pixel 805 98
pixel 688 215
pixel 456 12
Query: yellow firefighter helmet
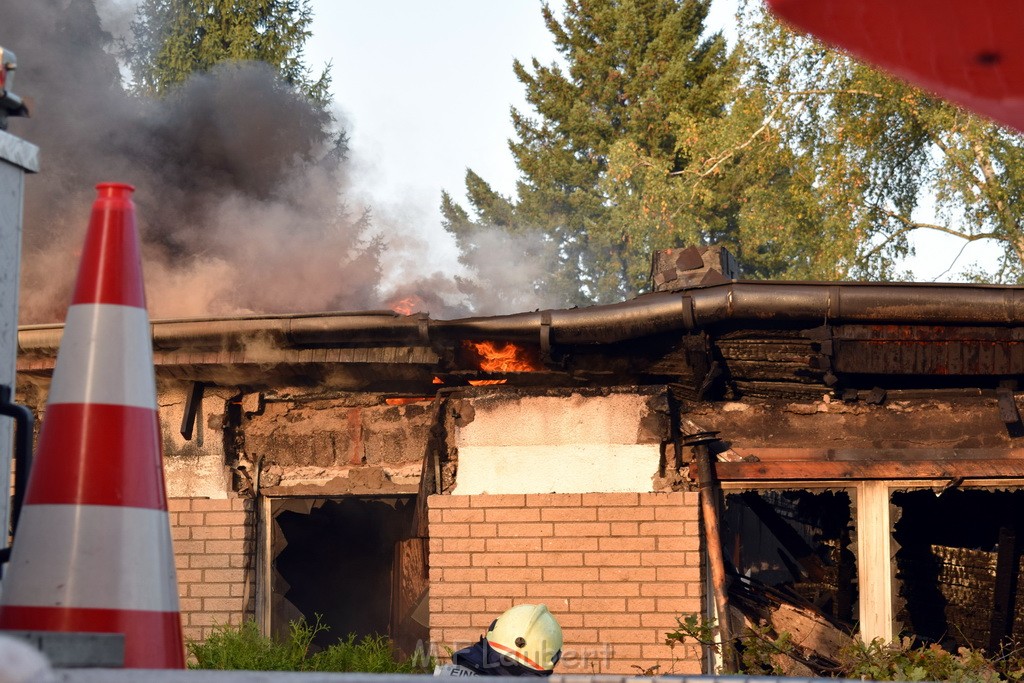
pixel 528 634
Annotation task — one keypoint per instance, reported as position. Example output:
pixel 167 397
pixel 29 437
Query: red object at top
pixel 111 269
pixel 970 52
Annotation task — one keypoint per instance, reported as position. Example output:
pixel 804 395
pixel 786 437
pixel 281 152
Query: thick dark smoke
pixel 241 196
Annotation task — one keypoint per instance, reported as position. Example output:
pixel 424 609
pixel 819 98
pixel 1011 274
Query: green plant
pixel 243 647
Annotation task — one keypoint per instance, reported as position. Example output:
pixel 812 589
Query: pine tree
pixel 636 78
pixel 174 38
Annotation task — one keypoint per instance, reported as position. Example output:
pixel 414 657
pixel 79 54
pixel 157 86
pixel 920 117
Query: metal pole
pixel 709 497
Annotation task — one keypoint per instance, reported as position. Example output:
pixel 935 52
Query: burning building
pixel 415 477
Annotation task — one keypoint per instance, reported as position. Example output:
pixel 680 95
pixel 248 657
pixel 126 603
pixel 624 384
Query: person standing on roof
pixel 525 640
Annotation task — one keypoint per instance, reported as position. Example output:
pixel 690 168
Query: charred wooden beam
pixel 873 469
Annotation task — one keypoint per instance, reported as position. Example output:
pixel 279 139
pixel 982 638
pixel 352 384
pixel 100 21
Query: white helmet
pixel 528 634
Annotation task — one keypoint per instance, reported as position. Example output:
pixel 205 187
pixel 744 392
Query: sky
pixel 425 89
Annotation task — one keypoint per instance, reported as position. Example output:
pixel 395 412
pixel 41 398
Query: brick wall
pixel 213 552
pixel 616 569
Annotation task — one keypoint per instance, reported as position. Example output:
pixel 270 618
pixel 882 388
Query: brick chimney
pixel 674 269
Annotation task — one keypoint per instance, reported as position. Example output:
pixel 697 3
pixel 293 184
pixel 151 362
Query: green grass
pixel 243 648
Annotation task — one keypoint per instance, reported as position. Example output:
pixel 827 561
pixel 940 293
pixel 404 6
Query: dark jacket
pixel 487 662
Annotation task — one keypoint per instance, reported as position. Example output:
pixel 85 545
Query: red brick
pixel 631 635
pixel 434 575
pixel 573 544
pixel 441 587
pixel 627 574
pixel 180 533
pixel 513 515
pixel 241 504
pixel 189 576
pixel 553 559
pixel 187 547
pixel 510 500
pixel 662 559
pixel 678 605
pixel 622 620
pixel 694 559
pixel 691 499
pixel 210 590
pixel 190 604
pixel 661 528
pixel 632 514
pixel 242 532
pixel 182 561
pixel 678 543
pixel 496 606
pixel 438 501
pixel 496 589
pixel 610 499
pixel 600 559
pixel 638 604
pixel 581 529
pixel 696 590
pixel 522 545
pixel 227 547
pixel 570 574
pixel 659 620
pixel 457 620
pixel 517 574
pixel 221 605
pixel 499 559
pixel 516 530
pixel 550 589
pixel 483 530
pixel 449 530
pixel 599 605
pixel 208 619
pixel 623 528
pixel 611 590
pixel 579 635
pixel 214 532
pixel 463 605
pixel 461 575
pixel 675 514
pixel 179 504
pixel 674 499
pixel 681 574
pixel 451 560
pixel 549 500
pixel 456 515
pixel 223 576
pixel 664 590
pixel 209 561
pixel 569 514
pixel 190 519
pixel 223 519
pixel 626 543
pixel 211 504
pixel 464 545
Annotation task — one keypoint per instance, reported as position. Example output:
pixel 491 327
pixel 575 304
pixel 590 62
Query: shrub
pixel 244 648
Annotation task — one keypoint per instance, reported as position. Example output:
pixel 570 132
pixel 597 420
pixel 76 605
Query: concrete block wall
pixel 213 549
pixel 616 569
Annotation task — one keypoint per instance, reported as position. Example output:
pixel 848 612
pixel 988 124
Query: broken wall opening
pixel 951 543
pixel 352 560
pixel 797 543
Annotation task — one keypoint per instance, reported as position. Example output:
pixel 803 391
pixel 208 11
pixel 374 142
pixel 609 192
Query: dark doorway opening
pixel 958 565
pixel 336 558
pixel 797 541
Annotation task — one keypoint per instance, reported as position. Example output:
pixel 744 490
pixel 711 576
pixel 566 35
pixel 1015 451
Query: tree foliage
pixel 172 39
pixel 880 152
pixel 649 133
pixel 634 75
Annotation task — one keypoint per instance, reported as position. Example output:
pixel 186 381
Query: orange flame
pixel 406 306
pixel 485 382
pixel 406 401
pixel 503 357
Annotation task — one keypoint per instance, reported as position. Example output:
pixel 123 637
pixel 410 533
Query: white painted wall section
pixel 533 444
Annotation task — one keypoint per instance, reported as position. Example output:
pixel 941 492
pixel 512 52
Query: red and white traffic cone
pixel 93 546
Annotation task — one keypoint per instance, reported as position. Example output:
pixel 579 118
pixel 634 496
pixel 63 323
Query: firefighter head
pixel 529 635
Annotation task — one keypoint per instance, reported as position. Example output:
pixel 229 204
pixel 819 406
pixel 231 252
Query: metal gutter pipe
pixel 689 309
